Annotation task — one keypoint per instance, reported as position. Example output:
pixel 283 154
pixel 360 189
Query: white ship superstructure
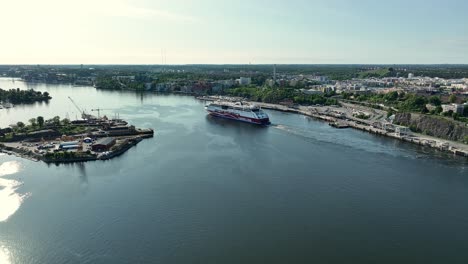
pixel 238 111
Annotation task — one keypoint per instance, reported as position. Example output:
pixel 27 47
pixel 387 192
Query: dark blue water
pixel 205 190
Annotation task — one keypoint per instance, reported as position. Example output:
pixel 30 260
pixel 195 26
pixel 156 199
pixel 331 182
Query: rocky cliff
pixel 433 126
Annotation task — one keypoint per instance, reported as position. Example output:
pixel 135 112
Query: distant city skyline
pixel 235 32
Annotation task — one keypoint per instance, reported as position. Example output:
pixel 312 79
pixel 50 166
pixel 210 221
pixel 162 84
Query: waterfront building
pixel 103 144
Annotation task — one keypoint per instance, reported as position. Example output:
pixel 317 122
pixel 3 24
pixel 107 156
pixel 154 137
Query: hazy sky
pixel 234 31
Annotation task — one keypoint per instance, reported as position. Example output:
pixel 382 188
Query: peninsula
pixel 63 141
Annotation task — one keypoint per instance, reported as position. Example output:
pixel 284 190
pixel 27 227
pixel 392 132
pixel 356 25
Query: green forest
pixel 274 95
pixel 409 102
pixel 17 96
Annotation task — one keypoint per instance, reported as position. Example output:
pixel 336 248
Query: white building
pixel 458 86
pixel 456 108
pixel 410 75
pixel 244 81
pixel 320 78
pixel 293 82
pixel 226 83
pixel 270 82
pixel 131 78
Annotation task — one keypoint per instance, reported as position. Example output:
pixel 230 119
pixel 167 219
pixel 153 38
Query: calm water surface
pixel 205 190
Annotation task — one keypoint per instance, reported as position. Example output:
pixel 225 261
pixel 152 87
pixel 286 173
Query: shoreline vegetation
pixel 17 96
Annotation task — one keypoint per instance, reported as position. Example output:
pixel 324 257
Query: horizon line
pixel 222 64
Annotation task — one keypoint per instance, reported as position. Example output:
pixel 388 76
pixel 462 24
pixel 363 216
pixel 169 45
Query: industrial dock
pixel 90 138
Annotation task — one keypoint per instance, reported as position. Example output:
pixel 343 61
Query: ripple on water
pixel 363 144
pixel 9 198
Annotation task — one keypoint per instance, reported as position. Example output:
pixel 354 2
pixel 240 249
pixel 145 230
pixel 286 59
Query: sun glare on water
pixel 4 255
pixel 10 200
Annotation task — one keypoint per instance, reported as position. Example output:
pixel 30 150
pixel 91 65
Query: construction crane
pixel 83 114
pixel 99 111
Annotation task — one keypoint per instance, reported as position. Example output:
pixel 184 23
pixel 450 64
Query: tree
pixel 435 100
pixel 33 122
pixel 448 113
pixel 20 125
pixel 452 98
pixel 56 121
pixel 65 121
pixel 438 109
pixel 413 103
pixel 40 121
pixel 391 96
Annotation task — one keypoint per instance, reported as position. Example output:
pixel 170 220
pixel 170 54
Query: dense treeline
pixel 112 84
pixel 17 96
pixel 277 95
pixel 214 72
pixel 107 83
pixel 409 102
pixel 64 126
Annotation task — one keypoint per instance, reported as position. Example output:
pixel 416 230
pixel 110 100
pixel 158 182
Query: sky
pixel 233 32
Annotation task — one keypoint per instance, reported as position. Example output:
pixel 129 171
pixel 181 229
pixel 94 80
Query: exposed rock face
pixel 433 125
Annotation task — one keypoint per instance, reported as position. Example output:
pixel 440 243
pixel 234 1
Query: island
pixel 59 140
pixel 17 96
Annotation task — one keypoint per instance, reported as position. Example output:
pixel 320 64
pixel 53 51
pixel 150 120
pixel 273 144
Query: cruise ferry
pixel 238 111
